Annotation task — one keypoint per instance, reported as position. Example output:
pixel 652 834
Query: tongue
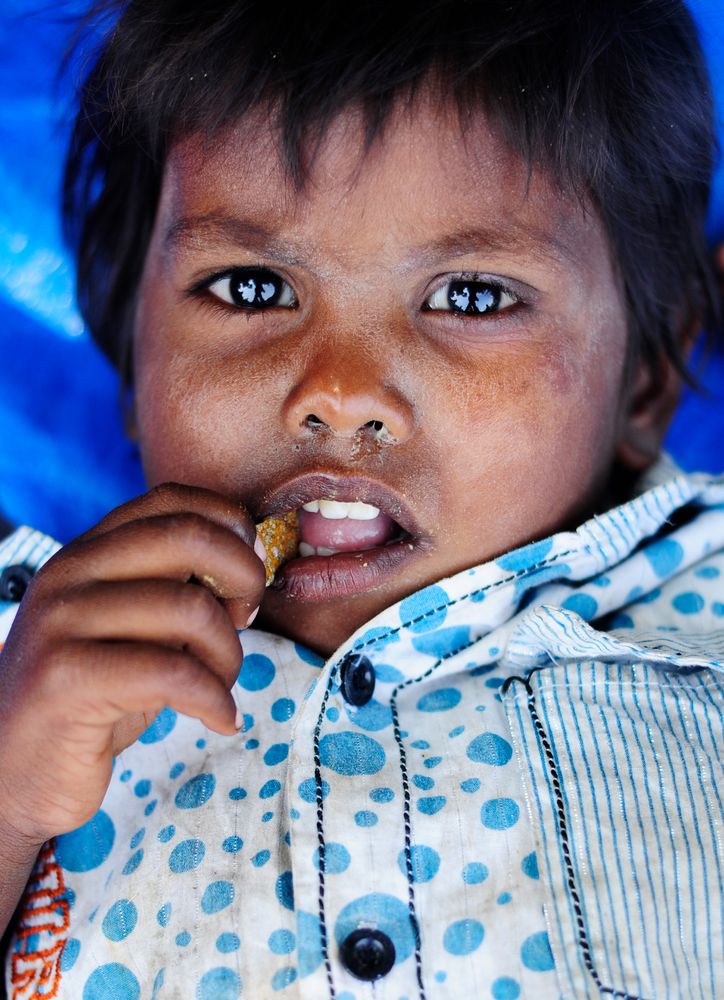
pixel 345 534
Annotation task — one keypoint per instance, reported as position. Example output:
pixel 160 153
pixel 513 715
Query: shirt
pixel 507 785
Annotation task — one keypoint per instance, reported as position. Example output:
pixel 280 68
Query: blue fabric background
pixel 64 460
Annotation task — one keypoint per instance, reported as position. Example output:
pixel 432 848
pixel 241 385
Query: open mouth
pixel 345 546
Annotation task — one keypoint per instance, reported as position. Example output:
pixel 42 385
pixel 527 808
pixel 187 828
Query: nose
pixel 347 396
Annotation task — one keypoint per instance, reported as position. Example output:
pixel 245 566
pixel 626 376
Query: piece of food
pixel 280 536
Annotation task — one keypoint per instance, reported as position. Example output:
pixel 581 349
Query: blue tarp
pixel 64 461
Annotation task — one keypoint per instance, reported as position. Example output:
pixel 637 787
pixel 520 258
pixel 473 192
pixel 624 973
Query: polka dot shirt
pixel 504 786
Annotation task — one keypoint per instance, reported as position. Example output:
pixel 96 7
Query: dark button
pixel 14 582
pixel 368 954
pixel 356 679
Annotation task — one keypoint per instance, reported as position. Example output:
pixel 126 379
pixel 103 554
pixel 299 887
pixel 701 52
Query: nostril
pixel 313 421
pixel 376 425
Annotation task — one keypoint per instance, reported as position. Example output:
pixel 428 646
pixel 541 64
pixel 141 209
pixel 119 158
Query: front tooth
pixel 333 509
pixel 362 511
pixel 305 549
pixel 312 506
pixel 322 550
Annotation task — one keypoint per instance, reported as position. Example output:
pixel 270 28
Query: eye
pixel 252 288
pixel 470 297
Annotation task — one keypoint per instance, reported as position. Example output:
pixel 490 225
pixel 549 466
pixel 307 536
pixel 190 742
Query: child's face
pixel 474 431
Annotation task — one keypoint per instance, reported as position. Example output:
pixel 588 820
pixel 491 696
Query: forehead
pixel 427 178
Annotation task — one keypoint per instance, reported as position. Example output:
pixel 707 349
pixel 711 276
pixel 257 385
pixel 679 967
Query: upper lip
pixel 294 493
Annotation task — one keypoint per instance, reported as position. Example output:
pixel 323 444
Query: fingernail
pixel 239 720
pixel 251 618
pixel 259 548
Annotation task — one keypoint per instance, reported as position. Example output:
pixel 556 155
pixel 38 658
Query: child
pixel 426 275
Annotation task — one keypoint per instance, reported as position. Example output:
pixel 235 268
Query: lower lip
pixel 345 574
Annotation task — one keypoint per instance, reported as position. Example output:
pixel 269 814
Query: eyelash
pixel 250 293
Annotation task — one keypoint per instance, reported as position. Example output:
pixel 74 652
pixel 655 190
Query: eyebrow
pixel 192 233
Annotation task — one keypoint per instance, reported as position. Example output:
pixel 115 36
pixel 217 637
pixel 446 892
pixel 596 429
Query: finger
pixel 176 498
pixel 95 686
pixel 163 612
pixel 174 546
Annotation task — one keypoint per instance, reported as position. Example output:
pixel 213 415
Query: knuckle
pixel 197 609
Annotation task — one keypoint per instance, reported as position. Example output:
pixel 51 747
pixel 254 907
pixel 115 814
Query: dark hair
pixel 610 97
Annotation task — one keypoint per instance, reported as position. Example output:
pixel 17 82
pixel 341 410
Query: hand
pixel 139 613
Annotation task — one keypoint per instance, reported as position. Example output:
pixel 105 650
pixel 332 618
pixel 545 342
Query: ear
pixel 653 394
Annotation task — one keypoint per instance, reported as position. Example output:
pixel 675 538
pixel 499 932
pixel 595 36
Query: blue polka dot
pixel 150 807
pixel 529 864
pixel 283 978
pixel 664 556
pixel 284 890
pixel 186 856
pixel 247 722
pixel 88 846
pixel 157 984
pixel 526 557
pixel 219 984
pixel 282 710
pixel 387 913
pixel 336 858
pixel 388 674
pixel 227 942
pixel 503 898
pixel 313 659
pixel 351 753
pixel 120 920
pixel 112 980
pixel 431 804
pixel 183 939
pixel 333 713
pixel 489 748
pixel 373 716
pixel 463 937
pixel 423 782
pixel 266 817
pixel 420 745
pixel 276 753
pixel 583 605
pixel 133 862
pixel 137 837
pixel 251 744
pixel 365 817
pixel 217 895
pixel 177 769
pixel 232 844
pixel 688 603
pixel 308 789
pixel 424 860
pixel 309 942
pixel 257 672
pixel 282 942
pixel 237 794
pixel 142 788
pixel 707 573
pixel 505 988
pixel 444 642
pixel 260 858
pixel 425 610
pixel 71 950
pixel 160 727
pixel 718 609
pixel 456 732
pixel 432 762
pixel 441 700
pixel 196 791
pixel 535 953
pixel 382 795
pixel 269 788
pixel 125 776
pixel 620 620
pixel 470 785
pixel 499 814
pixel 474 873
pixel 164 914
